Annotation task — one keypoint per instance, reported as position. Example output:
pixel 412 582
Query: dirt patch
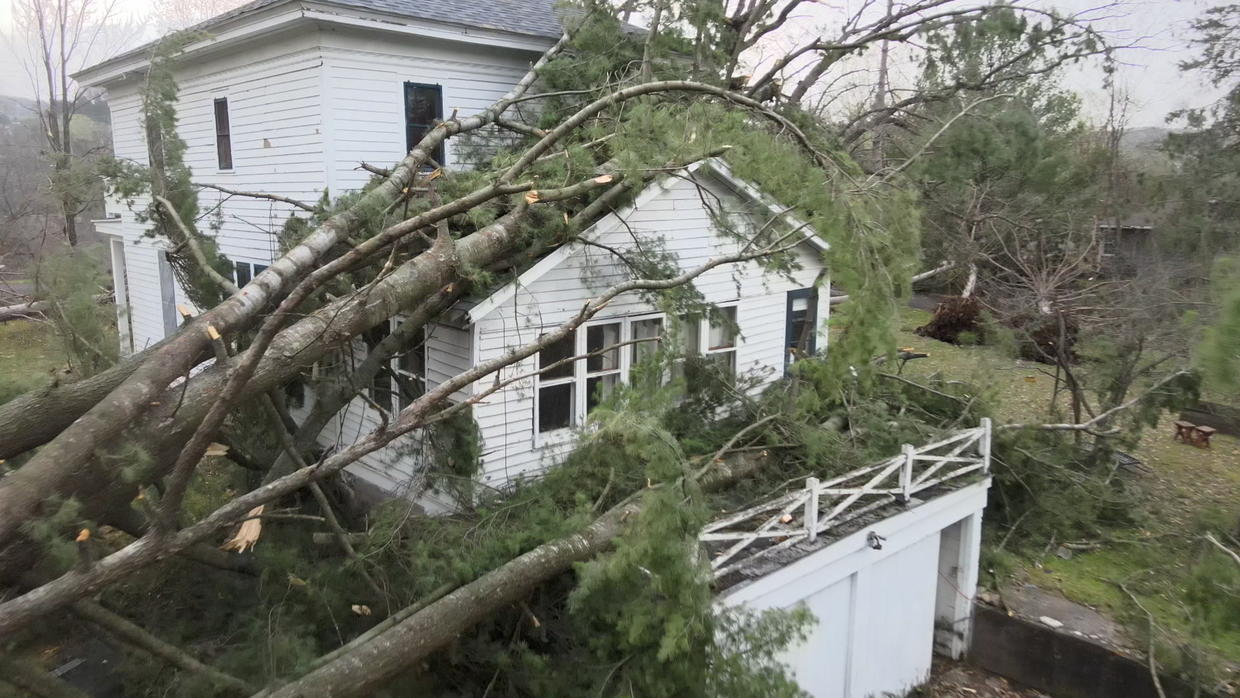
pixel 960 680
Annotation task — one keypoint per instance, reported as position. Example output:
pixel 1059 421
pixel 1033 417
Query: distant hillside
pixel 18 108
pixel 1145 139
pixel 15 108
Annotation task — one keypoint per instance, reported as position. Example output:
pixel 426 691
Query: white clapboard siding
pixel 679 219
pixel 364 83
pixel 277 147
pixel 305 109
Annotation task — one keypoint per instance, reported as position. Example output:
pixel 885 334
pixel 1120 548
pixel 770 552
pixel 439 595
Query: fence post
pixel 811 508
pixel 983 445
pixel 906 473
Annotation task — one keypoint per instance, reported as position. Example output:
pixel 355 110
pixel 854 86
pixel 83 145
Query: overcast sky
pixel 1149 75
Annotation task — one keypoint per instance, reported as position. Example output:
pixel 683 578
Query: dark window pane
pixel 242 273
pixel 221 117
pixel 423 108
pixel 259 268
pixel 599 337
pixel 557 351
pixel 295 393
pixel 692 325
pixel 725 365
pixel 722 332
pixel 802 324
pixel 598 388
pixel 555 407
pixel 646 329
pixel 381 385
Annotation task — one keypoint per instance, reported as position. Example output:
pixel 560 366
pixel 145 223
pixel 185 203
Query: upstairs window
pixel 423 109
pixel 223 135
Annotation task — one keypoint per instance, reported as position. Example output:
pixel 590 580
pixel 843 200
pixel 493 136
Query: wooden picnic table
pixel 1202 436
pixel 1194 434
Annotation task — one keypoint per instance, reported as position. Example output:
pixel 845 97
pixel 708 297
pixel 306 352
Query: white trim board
pixel 822 568
pixel 611 222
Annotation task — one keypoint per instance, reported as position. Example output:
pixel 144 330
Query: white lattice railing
pixel 804 514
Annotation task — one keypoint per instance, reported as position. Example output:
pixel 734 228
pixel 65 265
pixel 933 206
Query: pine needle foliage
pixel 168 176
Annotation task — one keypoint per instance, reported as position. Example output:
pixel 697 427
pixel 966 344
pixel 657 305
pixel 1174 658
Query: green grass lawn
pixel 31 356
pixel 1188 490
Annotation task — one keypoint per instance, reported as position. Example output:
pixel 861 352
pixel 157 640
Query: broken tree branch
pixel 1209 537
pixel 258 195
pixel 1086 426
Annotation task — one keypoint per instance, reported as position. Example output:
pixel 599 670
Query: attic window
pixel 223 135
pixel 423 109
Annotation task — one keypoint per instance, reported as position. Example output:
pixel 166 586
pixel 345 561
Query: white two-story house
pixel 289 97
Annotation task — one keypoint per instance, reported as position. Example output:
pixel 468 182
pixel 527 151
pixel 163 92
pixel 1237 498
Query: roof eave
pixel 263 21
pixel 226 34
pixel 716 166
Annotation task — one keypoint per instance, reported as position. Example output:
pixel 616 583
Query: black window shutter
pixel 223 135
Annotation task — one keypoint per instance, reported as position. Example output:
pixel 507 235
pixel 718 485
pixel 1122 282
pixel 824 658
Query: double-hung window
pixel 720 347
pixel 712 338
pixel 223 135
pixel 423 109
pixel 557 385
pixel 567 391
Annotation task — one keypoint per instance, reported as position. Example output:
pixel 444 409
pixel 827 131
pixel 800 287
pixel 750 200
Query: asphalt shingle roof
pixel 538 18
pixel 532 17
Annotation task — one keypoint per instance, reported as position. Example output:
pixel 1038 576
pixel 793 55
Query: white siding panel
pixel 365 81
pixel 305 109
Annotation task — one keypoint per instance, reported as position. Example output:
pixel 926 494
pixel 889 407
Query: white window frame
pixel 704 335
pixel 562 434
pixel 581 376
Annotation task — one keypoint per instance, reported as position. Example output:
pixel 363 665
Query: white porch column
pixel 959 552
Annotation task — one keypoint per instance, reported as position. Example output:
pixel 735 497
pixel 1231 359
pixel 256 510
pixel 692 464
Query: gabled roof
pixel 714 166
